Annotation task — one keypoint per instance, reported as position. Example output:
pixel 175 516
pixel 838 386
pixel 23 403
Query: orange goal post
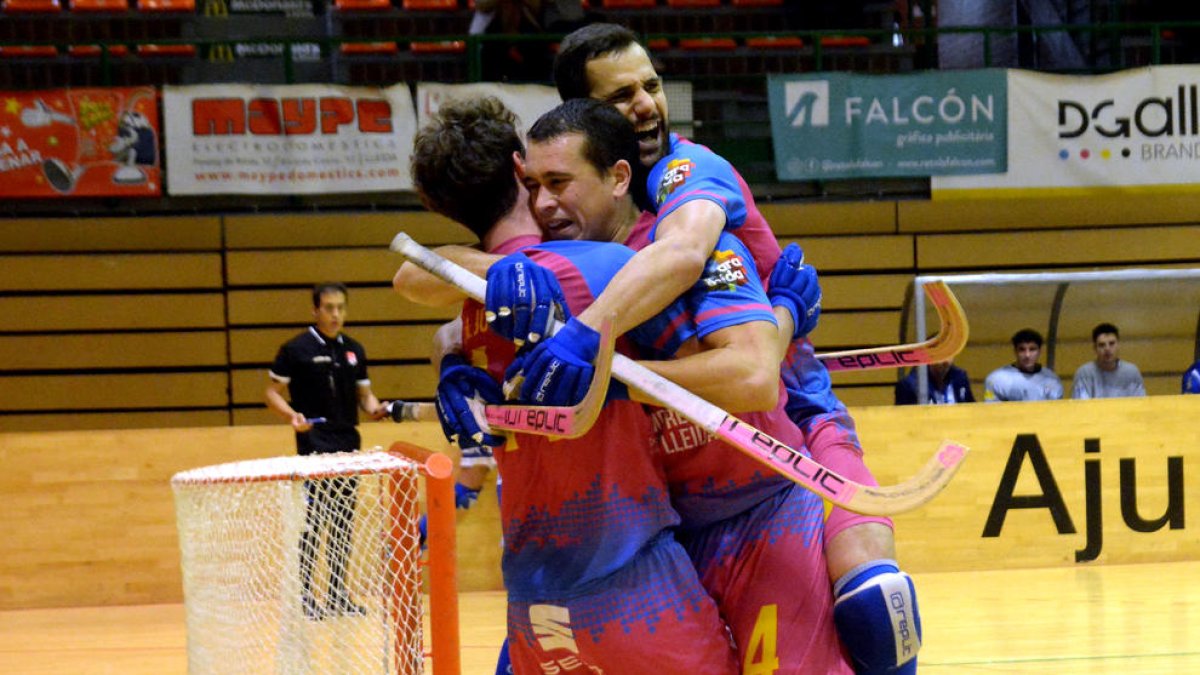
pixel 312 564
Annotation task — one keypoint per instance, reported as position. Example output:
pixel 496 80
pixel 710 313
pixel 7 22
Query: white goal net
pixel 302 565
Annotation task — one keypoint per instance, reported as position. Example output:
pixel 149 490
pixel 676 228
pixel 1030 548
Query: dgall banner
pixel 842 125
pixel 79 143
pixel 293 139
pixel 1079 134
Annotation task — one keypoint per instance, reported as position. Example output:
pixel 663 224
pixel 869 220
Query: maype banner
pixel 527 101
pixel 79 143
pixel 292 139
pixel 1080 134
pixel 842 125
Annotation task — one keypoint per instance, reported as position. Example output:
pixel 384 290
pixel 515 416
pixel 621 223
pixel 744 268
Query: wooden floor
pixel 1116 619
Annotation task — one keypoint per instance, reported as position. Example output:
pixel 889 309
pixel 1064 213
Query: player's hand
pixel 300 423
pixel 523 299
pixel 793 285
pixel 381 412
pixel 459 383
pixel 559 369
pixel 464 497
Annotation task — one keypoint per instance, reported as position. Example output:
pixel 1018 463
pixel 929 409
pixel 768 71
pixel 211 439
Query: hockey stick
pixel 792 463
pixel 559 421
pixel 950 340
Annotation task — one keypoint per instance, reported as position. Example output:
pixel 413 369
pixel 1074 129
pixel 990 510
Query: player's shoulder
pixel 352 344
pixel 302 341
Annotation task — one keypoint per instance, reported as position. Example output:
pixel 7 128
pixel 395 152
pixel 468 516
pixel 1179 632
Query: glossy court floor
pixel 1128 619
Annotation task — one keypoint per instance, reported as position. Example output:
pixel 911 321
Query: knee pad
pixel 875 611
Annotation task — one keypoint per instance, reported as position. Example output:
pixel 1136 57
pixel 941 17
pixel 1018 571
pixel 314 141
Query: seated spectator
pixel 1108 376
pixel 1026 379
pixel 947 384
pixel 1191 379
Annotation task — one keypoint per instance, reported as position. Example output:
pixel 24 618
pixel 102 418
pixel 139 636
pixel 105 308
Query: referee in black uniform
pixel 324 373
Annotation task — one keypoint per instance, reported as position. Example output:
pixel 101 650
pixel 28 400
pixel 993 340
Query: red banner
pixel 79 143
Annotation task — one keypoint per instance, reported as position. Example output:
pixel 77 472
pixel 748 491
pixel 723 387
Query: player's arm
pixel 662 271
pixel 369 404
pixel 733 370
pixel 277 401
pixel 417 285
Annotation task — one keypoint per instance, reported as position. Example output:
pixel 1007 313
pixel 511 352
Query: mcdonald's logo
pixel 221 53
pixel 216 8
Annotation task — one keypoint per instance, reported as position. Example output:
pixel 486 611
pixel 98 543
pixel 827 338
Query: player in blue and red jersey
pixel 594 575
pixel 750 531
pixel 698 195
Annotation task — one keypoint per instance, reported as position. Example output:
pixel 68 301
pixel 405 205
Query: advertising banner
pixel 1072 135
pixel 1047 483
pixel 79 143
pixel 843 125
pixel 527 101
pixel 293 139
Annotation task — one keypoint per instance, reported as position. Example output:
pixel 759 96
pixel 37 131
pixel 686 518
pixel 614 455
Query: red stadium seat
pixel 32 6
pixel 369 48
pixel 442 47
pixel 29 52
pixel 627 4
pixel 89 51
pixel 430 5
pixel 99 5
pixel 362 5
pixel 775 42
pixel 711 44
pixel 845 41
pixel 166 5
pixel 658 44
pixel 152 51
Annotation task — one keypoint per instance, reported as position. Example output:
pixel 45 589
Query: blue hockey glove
pixel 558 370
pixel 464 497
pixel 794 286
pixel 422 530
pixel 459 383
pixel 523 299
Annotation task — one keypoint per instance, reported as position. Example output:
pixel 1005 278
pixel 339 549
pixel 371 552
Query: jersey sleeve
pixel 360 369
pixel 728 293
pixel 281 368
pixel 694 172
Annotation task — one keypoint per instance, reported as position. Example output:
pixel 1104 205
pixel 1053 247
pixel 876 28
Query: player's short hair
pixel 1103 328
pixel 1026 335
pixel 581 46
pixel 328 287
pixel 462 162
pixel 608 136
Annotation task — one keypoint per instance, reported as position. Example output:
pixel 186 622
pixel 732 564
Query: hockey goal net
pixel 308 564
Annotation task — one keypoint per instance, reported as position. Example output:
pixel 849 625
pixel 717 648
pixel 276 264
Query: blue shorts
pixel 651 615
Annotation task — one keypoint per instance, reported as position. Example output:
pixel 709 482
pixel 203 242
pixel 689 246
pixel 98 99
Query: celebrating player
pixel 594 576
pixel 697 195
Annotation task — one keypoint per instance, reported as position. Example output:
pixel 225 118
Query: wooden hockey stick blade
pixel 949 341
pixel 562 421
pixel 795 465
pixel 544 420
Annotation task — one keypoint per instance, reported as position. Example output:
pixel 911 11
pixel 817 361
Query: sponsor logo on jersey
pixel 676 174
pixel 352 358
pixel 725 270
pixel 676 434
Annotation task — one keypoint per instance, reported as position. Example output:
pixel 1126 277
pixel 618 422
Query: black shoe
pixel 312 610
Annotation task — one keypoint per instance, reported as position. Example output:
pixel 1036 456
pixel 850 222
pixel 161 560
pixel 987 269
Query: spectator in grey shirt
pixel 1026 379
pixel 1108 376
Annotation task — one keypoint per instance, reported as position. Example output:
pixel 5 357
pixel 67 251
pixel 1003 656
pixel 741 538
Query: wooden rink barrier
pixel 89 517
